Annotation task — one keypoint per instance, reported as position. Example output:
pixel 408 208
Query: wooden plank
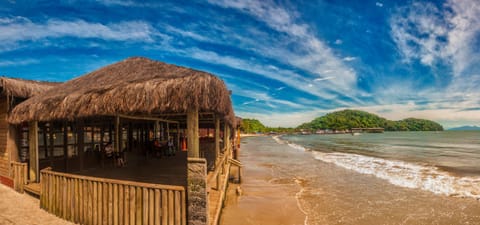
pixel 69 199
pixel 126 210
pixel 139 205
pixel 133 206
pixel 110 204
pixel 95 203
pixel 121 203
pixel 178 211
pixel 76 199
pixel 170 207
pixel 145 213
pixel 100 204
pixel 164 207
pixel 157 207
pixel 115 204
pixel 151 207
pixel 85 201
pixel 184 208
pixel 105 204
pixel 58 198
pixel 90 203
pixel 113 181
pixel 72 199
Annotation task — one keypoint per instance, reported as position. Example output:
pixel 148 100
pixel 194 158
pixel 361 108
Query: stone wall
pixel 197 192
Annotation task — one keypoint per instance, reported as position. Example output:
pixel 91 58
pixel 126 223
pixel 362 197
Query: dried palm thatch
pixel 135 86
pixel 23 88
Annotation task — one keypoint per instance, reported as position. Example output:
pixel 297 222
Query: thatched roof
pixel 23 88
pixel 135 86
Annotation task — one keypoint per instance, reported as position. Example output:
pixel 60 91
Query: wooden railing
pixel 220 168
pixel 19 176
pixel 90 200
pixel 214 179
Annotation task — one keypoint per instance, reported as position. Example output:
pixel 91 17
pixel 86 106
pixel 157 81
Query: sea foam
pixel 406 174
pixel 400 173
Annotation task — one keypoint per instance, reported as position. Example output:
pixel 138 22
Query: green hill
pixel 347 119
pixel 252 126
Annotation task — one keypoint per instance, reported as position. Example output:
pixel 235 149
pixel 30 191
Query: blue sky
pixel 286 62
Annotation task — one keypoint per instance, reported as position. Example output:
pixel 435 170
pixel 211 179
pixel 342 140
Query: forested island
pixel 346 120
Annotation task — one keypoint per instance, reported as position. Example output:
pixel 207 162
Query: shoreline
pixel 286 184
pixel 265 198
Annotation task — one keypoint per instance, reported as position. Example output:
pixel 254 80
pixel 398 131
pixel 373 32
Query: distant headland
pixel 466 128
pixel 346 120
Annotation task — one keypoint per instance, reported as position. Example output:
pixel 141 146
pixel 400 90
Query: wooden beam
pixel 116 144
pixel 217 137
pixel 33 150
pixel 146 118
pixel 81 139
pixel 193 144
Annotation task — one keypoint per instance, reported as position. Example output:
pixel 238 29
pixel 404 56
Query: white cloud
pixel 430 34
pixel 323 78
pixel 379 4
pixel 349 58
pixel 18 29
pixel 287 77
pixel 290 119
pixel 338 42
pixel 310 54
pixel 20 62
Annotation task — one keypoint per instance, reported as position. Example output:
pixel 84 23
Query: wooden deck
pixel 33 189
pixel 166 170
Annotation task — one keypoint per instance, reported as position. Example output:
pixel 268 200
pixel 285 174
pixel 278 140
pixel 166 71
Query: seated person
pixel 109 150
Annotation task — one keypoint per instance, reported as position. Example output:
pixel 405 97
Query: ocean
pixel 445 163
pixel 389 178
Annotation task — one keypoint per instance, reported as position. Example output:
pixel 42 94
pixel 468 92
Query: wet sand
pixel 265 199
pixel 276 175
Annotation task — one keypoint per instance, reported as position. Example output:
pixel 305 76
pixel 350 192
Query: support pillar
pixel 196 174
pixel 33 150
pixel 193 143
pixel 217 138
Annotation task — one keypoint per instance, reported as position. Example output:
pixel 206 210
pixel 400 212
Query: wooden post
pixel 116 143
pixel 226 135
pixel 193 144
pixel 217 138
pixel 33 150
pixel 178 137
pixel 65 145
pixel 80 141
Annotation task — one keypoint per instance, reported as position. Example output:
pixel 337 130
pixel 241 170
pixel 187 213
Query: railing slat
pixel 121 203
pixel 157 207
pixel 105 203
pixel 139 205
pixel 127 204
pixel 110 204
pixel 164 207
pixel 177 206
pixel 170 207
pixel 99 204
pixel 115 204
pixel 133 207
pixel 151 200
pixel 93 201
pixel 145 206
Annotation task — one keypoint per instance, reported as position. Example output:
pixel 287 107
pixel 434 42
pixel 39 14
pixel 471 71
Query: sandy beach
pixel 22 209
pixel 284 184
pixel 266 198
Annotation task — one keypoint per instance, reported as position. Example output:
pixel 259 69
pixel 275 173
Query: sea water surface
pixel 446 163
pixel 390 178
